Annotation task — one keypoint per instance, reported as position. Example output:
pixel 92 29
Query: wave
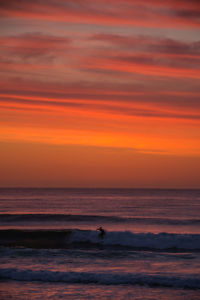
pixel 17 218
pixel 108 278
pixel 90 238
pixel 152 241
pixel 56 218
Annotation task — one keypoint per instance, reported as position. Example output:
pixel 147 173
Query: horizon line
pixel 102 188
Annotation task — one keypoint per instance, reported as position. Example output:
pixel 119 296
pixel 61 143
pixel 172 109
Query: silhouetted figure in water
pixel 101 232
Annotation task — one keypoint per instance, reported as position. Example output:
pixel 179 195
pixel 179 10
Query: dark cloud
pixel 146 13
pixel 188 14
pixel 152 44
pixel 7 6
pixel 110 108
pixel 43 103
pixel 153 60
pixel 101 92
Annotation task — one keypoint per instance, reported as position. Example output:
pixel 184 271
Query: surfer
pixel 101 232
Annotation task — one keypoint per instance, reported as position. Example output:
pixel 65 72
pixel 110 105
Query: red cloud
pixel 144 13
pixel 33 45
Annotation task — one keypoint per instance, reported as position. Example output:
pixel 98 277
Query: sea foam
pixel 159 241
pixel 107 278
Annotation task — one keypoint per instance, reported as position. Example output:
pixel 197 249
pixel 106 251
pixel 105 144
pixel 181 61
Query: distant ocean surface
pixel 50 248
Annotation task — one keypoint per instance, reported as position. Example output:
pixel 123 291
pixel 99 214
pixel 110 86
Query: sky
pixel 100 93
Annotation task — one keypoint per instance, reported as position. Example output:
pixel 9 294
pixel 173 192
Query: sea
pixel 50 247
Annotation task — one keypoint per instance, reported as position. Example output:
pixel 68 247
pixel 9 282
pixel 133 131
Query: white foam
pixel 142 240
pixel 101 278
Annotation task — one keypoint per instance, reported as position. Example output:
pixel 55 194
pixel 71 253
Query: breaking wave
pixel 107 278
pixel 90 238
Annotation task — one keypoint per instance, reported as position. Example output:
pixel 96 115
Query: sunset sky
pixel 100 93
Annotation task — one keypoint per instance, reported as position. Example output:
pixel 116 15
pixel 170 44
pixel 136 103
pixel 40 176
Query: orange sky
pixel 100 93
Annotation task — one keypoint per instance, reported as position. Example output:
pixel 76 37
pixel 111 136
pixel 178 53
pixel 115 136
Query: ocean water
pixel 50 248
